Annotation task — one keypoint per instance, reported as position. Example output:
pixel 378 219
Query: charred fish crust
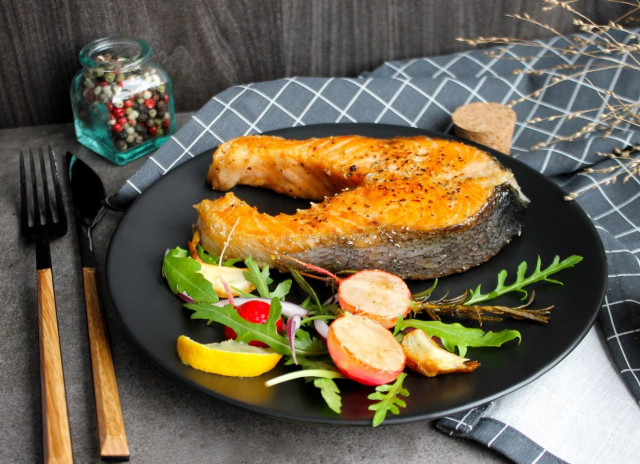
pixel 418 207
pixel 414 255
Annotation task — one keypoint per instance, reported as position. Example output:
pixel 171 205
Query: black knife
pixel 88 194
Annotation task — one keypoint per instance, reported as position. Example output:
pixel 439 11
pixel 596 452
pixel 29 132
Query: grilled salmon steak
pixel 418 207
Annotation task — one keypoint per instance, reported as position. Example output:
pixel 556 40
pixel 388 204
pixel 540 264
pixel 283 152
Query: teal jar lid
pixel 130 53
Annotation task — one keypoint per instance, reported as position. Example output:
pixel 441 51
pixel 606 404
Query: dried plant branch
pixel 601 50
pixel 626 164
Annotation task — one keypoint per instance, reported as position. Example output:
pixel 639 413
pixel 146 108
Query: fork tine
pixel 24 208
pixel 34 185
pixel 55 418
pixel 45 190
pixel 62 216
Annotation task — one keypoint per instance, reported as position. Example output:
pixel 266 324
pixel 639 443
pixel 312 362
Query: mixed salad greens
pixel 304 342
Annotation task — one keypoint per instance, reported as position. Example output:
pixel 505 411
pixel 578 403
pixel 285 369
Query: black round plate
pixel 162 218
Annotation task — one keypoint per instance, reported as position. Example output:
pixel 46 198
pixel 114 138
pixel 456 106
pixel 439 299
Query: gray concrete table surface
pixel 166 420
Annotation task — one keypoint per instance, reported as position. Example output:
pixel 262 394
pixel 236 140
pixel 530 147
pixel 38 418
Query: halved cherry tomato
pixel 253 311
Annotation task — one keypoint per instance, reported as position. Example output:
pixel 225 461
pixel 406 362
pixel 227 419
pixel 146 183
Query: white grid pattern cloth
pixel 423 93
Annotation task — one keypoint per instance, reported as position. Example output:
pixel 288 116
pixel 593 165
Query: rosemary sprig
pixel 436 309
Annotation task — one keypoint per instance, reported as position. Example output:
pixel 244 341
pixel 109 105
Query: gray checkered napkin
pixel 423 93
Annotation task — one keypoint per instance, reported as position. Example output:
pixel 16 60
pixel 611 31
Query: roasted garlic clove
pixel 428 358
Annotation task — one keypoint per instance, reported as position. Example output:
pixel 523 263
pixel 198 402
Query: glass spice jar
pixel 122 103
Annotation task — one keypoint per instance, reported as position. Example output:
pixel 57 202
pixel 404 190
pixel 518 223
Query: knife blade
pixel 88 193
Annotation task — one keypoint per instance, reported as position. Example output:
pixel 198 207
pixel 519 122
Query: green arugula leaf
pixel 181 273
pixel 305 373
pixel 522 280
pixel 259 278
pixel 210 259
pixel 425 294
pixel 247 331
pixel 322 374
pixel 322 379
pixel 312 302
pixel 397 329
pixel 281 290
pixel 308 289
pixel 330 393
pixel 458 336
pixel 388 397
pixel 305 342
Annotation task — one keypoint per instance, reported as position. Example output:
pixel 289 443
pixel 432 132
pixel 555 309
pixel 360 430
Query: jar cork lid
pixel 489 124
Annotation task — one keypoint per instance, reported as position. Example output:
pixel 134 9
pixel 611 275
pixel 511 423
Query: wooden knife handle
pixel 55 419
pixel 111 430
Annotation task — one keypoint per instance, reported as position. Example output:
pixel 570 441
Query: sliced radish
pixel 376 294
pixel 365 351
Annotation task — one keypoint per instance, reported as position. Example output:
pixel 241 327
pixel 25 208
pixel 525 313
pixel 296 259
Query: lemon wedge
pixel 230 358
pixel 234 276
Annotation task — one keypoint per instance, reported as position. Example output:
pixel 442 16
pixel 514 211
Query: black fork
pixel 43 222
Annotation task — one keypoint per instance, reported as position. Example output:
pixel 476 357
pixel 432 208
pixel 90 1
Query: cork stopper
pixel 490 124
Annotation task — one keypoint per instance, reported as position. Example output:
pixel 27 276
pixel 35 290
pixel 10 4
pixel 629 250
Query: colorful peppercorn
pixel 133 100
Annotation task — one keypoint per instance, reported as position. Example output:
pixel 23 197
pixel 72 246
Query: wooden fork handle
pixel 55 419
pixel 111 430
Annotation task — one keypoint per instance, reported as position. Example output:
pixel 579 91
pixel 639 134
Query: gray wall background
pixel 209 45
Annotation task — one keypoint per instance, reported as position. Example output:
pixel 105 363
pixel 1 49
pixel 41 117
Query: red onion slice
pixel 185 297
pixel 322 329
pixel 227 289
pixel 293 324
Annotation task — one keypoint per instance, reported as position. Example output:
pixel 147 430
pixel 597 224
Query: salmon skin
pixel 418 207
